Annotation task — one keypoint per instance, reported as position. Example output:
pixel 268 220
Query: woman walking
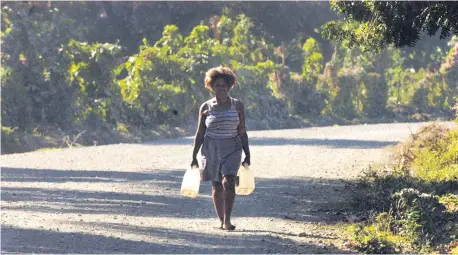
pixel 222 135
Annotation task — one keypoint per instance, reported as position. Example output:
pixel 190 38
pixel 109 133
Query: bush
pixel 373 192
pixel 431 154
pixel 418 215
pixel 374 96
pixel 414 222
pixel 376 238
pixel 10 140
pixel 403 210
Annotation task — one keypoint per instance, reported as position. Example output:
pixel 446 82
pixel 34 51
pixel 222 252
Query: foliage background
pixel 106 72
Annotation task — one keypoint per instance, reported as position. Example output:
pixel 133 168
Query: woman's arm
pixel 242 133
pixel 199 138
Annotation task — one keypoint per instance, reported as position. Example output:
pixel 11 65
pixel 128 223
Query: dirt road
pixel 125 198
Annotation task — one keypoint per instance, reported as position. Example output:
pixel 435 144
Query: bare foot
pixel 228 226
pixel 221 226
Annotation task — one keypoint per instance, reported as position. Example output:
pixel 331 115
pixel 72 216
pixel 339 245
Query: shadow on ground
pixel 292 199
pixel 303 198
pixel 46 241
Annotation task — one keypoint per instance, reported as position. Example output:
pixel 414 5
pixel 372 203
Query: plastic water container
pixel 245 181
pixel 191 183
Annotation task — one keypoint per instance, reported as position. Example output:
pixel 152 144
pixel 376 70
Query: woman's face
pixel 220 86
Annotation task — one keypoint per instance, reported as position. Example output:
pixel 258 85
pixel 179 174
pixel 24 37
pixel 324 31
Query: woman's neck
pixel 222 99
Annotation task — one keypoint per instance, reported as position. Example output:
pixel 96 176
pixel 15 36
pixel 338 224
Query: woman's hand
pixel 194 163
pixel 247 161
pixel 199 138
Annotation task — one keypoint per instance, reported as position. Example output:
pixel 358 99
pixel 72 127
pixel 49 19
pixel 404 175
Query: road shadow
pixel 304 198
pixel 19 240
pixel 90 176
pixel 295 199
pixel 280 141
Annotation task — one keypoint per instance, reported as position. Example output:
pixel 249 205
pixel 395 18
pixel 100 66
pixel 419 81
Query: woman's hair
pixel 220 72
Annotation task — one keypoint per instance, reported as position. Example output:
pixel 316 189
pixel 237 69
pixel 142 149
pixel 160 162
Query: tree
pixel 376 24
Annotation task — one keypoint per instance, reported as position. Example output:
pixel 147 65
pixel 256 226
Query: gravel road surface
pixel 124 198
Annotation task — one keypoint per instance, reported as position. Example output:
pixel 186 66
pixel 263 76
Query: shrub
pixel 431 154
pixel 403 209
pixel 418 215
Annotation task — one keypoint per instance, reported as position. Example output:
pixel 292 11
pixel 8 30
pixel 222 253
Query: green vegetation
pixel 413 208
pixel 376 24
pixel 117 71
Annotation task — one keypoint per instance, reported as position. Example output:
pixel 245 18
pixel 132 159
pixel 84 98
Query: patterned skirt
pixel 220 157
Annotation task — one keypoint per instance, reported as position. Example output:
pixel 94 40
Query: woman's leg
pixel 229 196
pixel 218 200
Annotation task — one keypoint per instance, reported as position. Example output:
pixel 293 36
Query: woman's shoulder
pixel 206 105
pixel 238 103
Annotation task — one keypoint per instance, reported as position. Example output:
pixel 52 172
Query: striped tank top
pixel 222 124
